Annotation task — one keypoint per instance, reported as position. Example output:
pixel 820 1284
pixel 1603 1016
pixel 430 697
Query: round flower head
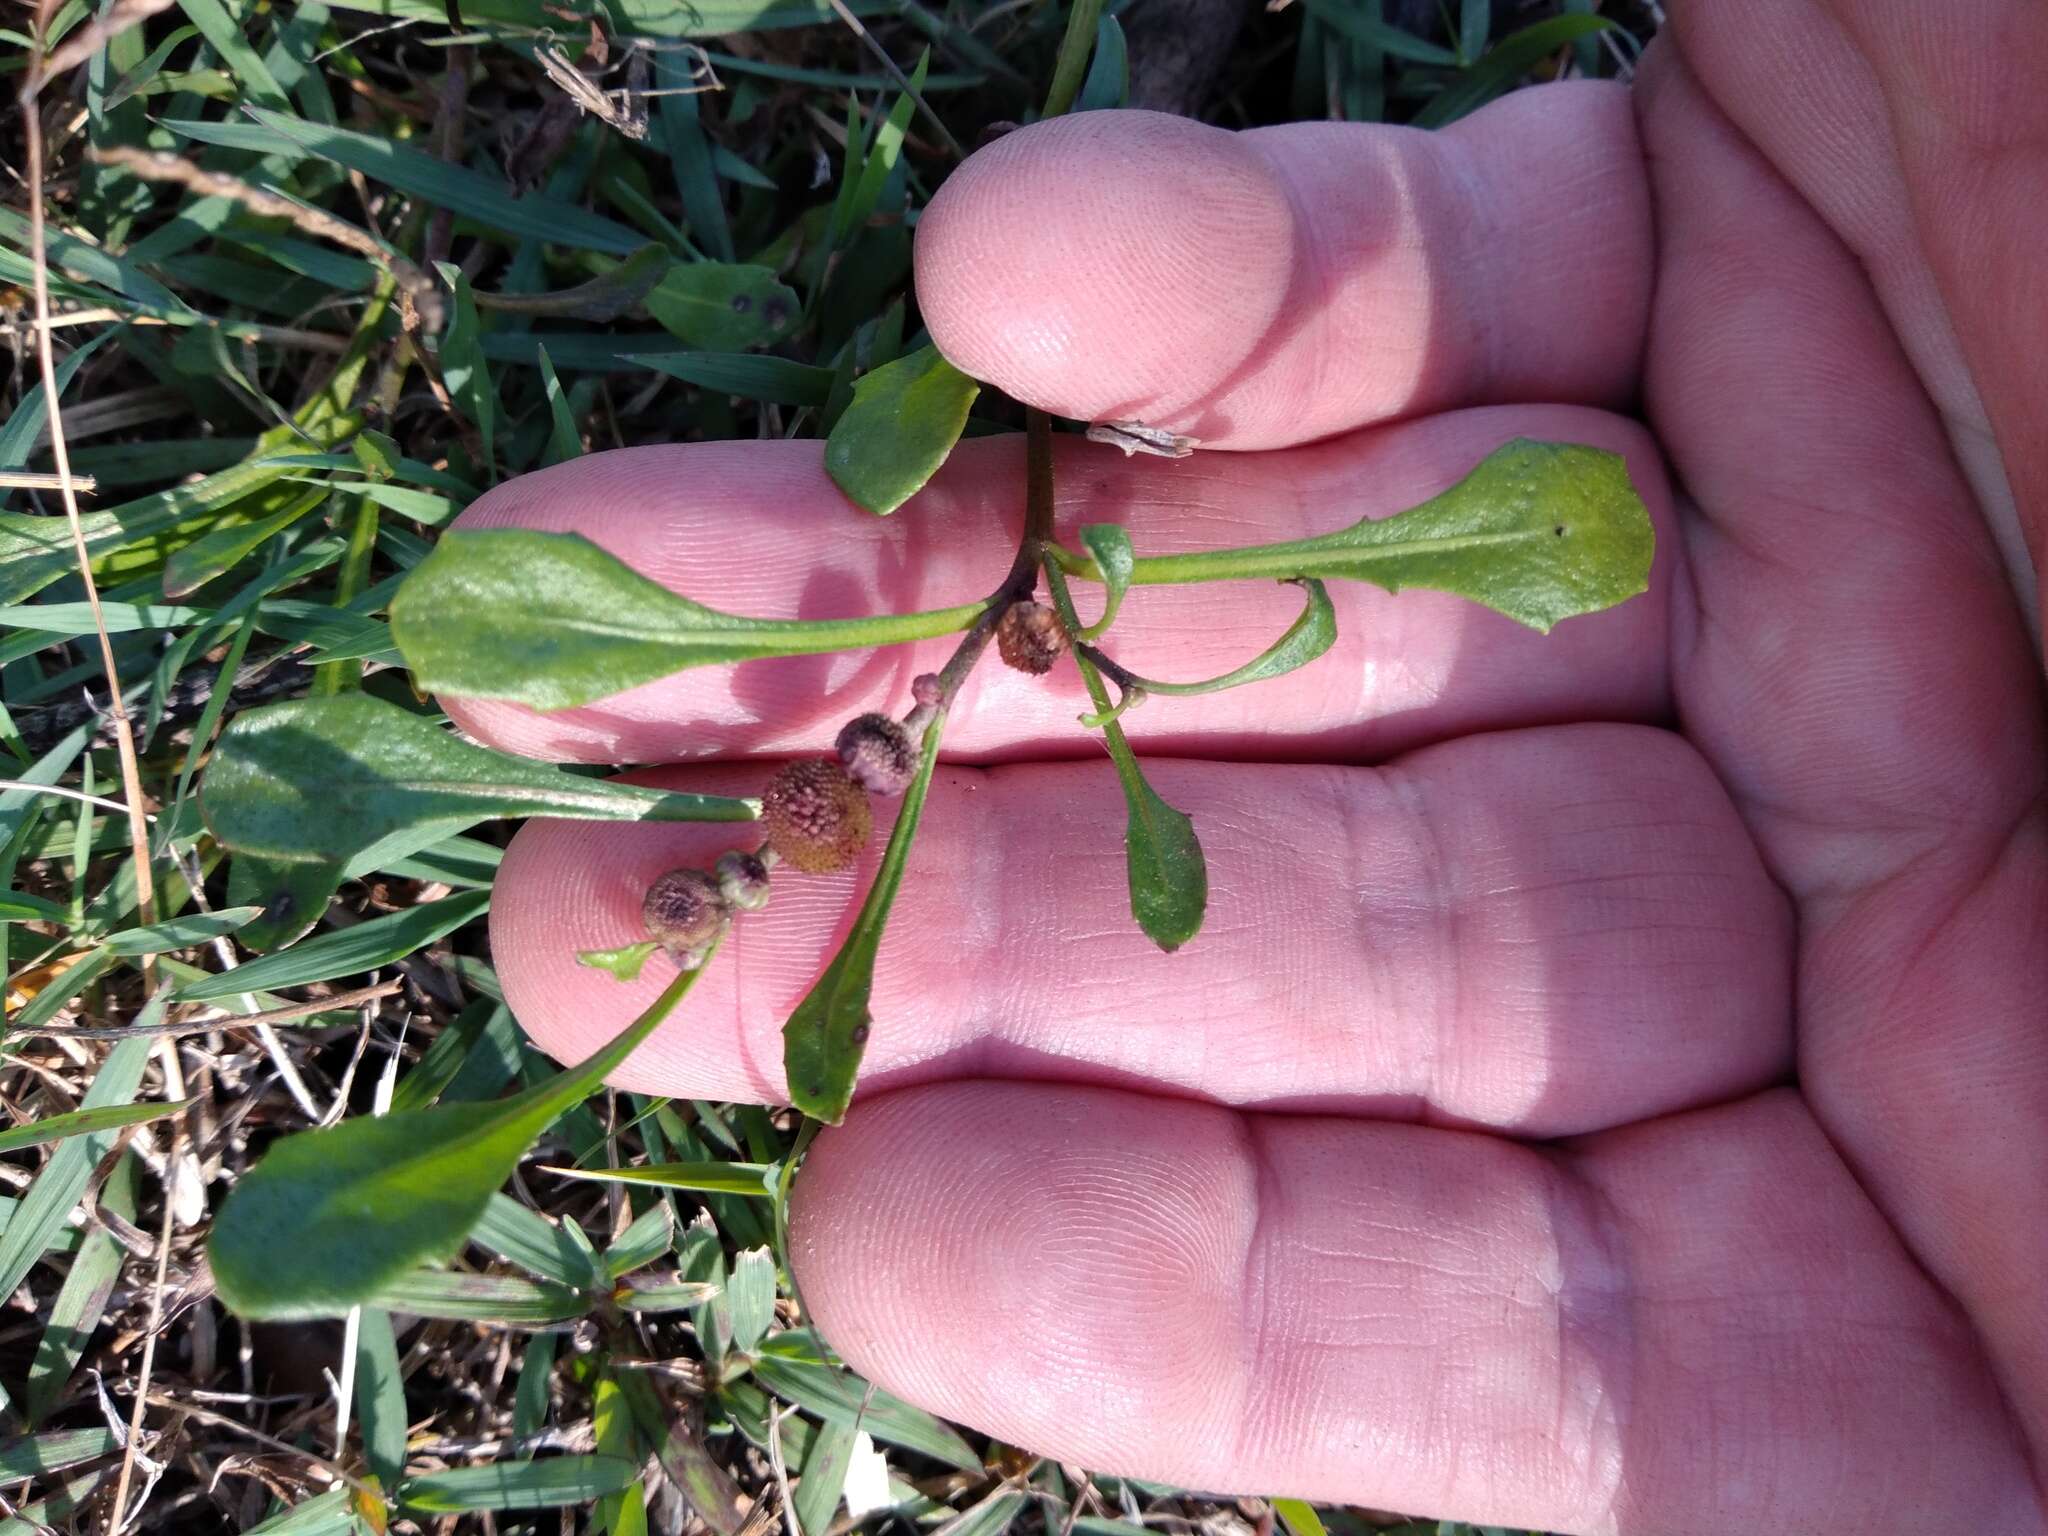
pixel 877 753
pixel 816 817
pixel 685 914
pixel 743 881
pixel 1029 636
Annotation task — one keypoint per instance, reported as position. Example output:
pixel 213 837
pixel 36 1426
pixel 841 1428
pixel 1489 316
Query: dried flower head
pixel 685 914
pixel 743 880
pixel 878 753
pixel 1029 636
pixel 816 816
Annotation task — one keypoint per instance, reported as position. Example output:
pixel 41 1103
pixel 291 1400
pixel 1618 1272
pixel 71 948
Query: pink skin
pixel 1623 1107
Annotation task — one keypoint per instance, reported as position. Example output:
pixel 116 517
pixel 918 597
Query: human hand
pixel 1623 1107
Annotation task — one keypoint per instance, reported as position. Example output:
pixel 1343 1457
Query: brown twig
pixel 213 1020
pixel 154 166
pixel 124 735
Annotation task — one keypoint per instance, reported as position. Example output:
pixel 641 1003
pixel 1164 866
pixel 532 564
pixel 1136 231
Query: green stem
pixel 1075 48
pixel 349 584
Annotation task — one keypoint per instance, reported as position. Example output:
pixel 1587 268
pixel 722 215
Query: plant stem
pixel 1075 47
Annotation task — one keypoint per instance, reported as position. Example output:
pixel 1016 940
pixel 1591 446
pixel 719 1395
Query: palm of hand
pixel 1595 1125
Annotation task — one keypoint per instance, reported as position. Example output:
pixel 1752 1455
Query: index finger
pixel 1262 289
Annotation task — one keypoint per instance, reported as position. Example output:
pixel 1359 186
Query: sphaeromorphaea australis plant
pixel 1540 532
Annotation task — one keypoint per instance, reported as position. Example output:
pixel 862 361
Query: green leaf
pixel 1108 85
pixel 215 553
pixel 645 1240
pixel 836 1396
pixel 723 306
pixel 553 1249
pixel 27 1456
pixel 293 897
pixel 351 778
pixel 993 1515
pixel 345 952
pixel 664 1295
pixel 821 1478
pixel 1540 532
pixel 1298 1515
pixel 1343 17
pixel 777 380
pixel 750 1292
pixel 1111 548
pixel 74 1317
pixel 645 18
pixel 904 420
pixel 530 1394
pixel 380 1395
pixel 757 1179
pixel 463 367
pixel 565 441
pixel 179 932
pixel 78 1122
pixel 624 963
pixel 1306 639
pixel 1511 58
pixel 1163 858
pixel 38 1220
pixel 552 621
pixel 480 1298
pixel 612 293
pixel 1075 47
pixel 22 907
pixel 827 1032
pixel 540 1484
pixel 331 1217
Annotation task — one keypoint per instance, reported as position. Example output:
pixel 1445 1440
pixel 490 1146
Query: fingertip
pixel 1074 263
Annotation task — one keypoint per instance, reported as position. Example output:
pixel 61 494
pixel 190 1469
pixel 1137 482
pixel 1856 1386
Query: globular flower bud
pixel 877 752
pixel 743 881
pixel 926 690
pixel 685 914
pixel 816 816
pixel 1029 636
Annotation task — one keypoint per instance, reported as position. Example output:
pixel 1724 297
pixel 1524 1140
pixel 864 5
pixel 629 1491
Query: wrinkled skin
pixel 1611 1092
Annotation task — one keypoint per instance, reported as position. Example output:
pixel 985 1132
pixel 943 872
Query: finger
pixel 1696 1326
pixel 1942 212
pixel 1549 930
pixel 758 528
pixel 1267 288
pixel 1857 670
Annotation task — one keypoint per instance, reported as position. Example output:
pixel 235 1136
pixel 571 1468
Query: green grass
pixel 318 327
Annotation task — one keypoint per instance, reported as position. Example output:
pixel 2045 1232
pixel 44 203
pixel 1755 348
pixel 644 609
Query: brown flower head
pixel 877 752
pixel 685 914
pixel 743 881
pixel 1029 636
pixel 816 816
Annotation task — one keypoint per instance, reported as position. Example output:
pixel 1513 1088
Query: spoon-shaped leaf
pixel 330 1218
pixel 1306 639
pixel 1169 878
pixel 552 621
pixel 352 777
pixel 722 306
pixel 1114 558
pixel 1538 531
pixel 827 1033
pixel 904 420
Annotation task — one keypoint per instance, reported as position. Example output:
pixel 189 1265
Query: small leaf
pixel 822 1477
pixel 1108 85
pixel 904 420
pixel 565 440
pixel 544 1483
pixel 1505 63
pixel 331 1217
pixel 778 380
pixel 1540 532
pixel 1306 639
pixel 750 1291
pixel 757 1179
pixel 607 296
pixel 552 621
pixel 553 1249
pixel 624 963
pixel 179 932
pixel 646 1240
pixel 77 1122
pixel 22 907
pixel 1298 1515
pixel 380 1394
pixel 463 367
pixel 838 1396
pixel 1163 858
pixel 480 1298
pixel 1114 558
pixel 352 778
pixel 827 1032
pixel 721 306
pixel 293 897
pixel 381 941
